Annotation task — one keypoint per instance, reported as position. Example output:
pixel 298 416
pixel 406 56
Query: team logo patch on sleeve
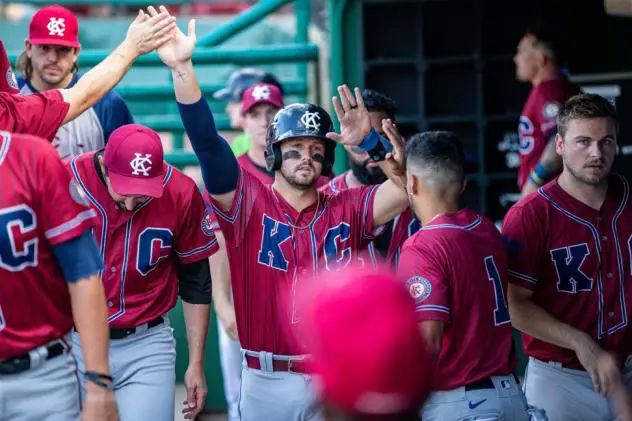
pixel 419 288
pixel 11 80
pixel 207 224
pixel 550 110
pixel 77 194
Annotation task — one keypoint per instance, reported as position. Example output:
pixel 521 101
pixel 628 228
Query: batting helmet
pixel 299 120
pixel 242 79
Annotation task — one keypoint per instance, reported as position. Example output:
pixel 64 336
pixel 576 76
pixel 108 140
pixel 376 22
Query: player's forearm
pixel 90 317
pixel 220 272
pixel 196 317
pixel 185 83
pixel 550 164
pixel 389 202
pixel 530 318
pixel 92 86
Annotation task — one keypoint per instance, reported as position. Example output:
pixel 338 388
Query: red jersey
pixel 456 270
pixel 576 260
pixel 141 248
pixel 40 114
pixel 336 184
pixel 266 177
pixel 404 226
pixel 537 122
pixel 271 246
pixel 39 208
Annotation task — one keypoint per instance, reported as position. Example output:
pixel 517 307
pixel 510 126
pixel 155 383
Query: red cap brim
pixel 132 186
pixel 48 41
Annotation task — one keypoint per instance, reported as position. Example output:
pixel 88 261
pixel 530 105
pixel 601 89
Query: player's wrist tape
pixel 540 175
pixel 376 146
pixel 104 381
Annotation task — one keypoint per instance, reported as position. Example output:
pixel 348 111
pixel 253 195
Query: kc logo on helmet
pixel 260 92
pixel 311 120
pixel 56 26
pixel 141 164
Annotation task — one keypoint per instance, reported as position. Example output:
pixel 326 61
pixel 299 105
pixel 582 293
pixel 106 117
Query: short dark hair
pixel 585 106
pixel 440 149
pixel 549 39
pixel 378 102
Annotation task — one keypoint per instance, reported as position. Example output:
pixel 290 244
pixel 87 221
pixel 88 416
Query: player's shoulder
pixel 557 90
pixel 26 143
pixel 177 182
pixel 535 206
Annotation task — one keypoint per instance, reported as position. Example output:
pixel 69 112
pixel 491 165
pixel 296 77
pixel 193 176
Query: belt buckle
pixel 292 363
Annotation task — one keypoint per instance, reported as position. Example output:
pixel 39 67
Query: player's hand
pixel 179 48
pixel 147 33
pixel 394 165
pixel 355 122
pixel 99 405
pixel 602 366
pixel 229 322
pixel 195 383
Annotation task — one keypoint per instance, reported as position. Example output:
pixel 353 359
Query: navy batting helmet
pixel 242 79
pixel 299 120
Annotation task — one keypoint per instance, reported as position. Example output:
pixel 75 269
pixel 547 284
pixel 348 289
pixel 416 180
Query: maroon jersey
pixel 263 175
pixel 404 226
pixel 141 248
pixel 271 246
pixel 576 260
pixel 336 184
pixel 456 270
pixel 537 122
pixel 39 208
pixel 40 114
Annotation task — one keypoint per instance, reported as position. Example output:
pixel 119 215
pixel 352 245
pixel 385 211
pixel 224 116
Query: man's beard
pixel 366 176
pixel 299 184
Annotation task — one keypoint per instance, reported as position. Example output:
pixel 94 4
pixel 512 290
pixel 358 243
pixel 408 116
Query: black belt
pixel 485 383
pixel 124 332
pixel 22 363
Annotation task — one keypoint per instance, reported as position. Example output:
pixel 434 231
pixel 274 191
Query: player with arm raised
pixel 49 266
pixel 277 233
pixel 155 237
pixel 455 269
pixel 569 262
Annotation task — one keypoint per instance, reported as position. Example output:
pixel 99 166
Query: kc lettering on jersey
pixel 456 271
pixel 141 248
pixel 576 260
pixel 38 209
pixel 271 246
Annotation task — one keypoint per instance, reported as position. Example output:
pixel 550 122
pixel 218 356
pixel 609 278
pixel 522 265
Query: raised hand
pixel 147 33
pixel 394 166
pixel 355 122
pixel 179 48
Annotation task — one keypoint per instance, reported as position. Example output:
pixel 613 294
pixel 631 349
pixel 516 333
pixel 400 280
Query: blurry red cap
pixel 134 159
pixel 261 93
pixel 8 82
pixel 368 356
pixel 54 25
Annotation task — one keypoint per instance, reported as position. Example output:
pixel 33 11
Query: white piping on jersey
pixel 468 227
pixel 69 225
pixel 4 149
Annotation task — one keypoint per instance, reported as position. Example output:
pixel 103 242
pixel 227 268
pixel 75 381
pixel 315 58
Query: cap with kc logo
pixel 54 25
pixel 134 159
pixel 261 93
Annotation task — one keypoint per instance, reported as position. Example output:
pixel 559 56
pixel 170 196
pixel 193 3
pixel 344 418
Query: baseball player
pixel 154 235
pixel 49 266
pixel 233 92
pixel 455 269
pixel 42 114
pixel 570 271
pixel 50 62
pixel 277 233
pixel 368 358
pixel 537 62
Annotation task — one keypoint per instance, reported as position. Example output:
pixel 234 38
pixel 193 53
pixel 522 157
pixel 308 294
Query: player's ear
pixel 463 184
pixel 558 144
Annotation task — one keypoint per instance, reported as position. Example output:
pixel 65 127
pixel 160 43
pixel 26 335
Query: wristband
pixel 539 175
pixel 104 381
pixel 376 146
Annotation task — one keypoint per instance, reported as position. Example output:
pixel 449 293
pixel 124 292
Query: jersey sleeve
pixel 249 196
pixel 39 114
pixel 112 112
pixel 195 239
pixel 62 208
pixel 523 239
pixel 427 281
pixel 360 203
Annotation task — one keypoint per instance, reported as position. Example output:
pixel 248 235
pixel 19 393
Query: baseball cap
pixel 241 79
pixel 8 82
pixel 261 93
pixel 367 354
pixel 54 25
pixel 134 159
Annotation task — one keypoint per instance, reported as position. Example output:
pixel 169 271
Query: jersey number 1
pixel 501 312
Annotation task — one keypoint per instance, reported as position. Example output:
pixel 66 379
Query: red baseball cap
pixel 261 93
pixel 8 82
pixel 367 354
pixel 134 159
pixel 54 25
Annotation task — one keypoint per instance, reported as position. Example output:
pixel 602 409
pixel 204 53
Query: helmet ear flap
pixel 273 157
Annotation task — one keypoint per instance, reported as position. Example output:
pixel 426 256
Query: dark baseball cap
pixel 242 79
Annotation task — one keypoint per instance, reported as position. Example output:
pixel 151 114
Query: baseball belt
pixel 24 362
